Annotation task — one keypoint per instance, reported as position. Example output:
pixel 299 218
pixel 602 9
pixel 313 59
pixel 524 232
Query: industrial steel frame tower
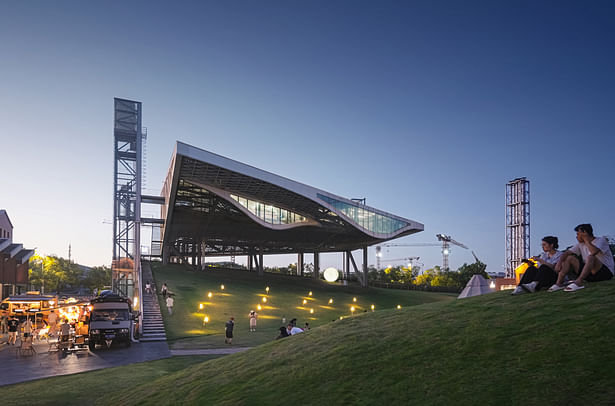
pixel 517 224
pixel 127 133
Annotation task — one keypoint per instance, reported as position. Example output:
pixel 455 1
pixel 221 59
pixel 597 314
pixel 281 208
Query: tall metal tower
pixel 127 133
pixel 517 224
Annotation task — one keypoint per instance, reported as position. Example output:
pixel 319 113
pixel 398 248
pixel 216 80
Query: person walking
pixel 170 304
pixel 148 288
pixel 164 290
pixel 253 317
pixel 4 326
pixel 228 330
pixel 13 324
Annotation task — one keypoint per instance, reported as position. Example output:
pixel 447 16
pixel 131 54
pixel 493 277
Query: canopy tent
pixel 475 287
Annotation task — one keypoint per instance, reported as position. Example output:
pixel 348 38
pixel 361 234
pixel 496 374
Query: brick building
pixel 13 260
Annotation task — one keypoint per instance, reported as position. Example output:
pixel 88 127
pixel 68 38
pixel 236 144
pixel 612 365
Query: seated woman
pixel 543 276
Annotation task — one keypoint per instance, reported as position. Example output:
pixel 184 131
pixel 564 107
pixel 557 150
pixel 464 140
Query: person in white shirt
pixel 170 304
pixel 543 274
pixel 597 260
pixel 292 330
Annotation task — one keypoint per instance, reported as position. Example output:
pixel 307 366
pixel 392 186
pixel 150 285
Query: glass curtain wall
pixel 366 218
pixel 269 213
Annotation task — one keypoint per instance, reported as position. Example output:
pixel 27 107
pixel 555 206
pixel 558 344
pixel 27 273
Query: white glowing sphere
pixel 331 274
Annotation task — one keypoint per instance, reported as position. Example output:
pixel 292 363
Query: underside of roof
pixel 229 208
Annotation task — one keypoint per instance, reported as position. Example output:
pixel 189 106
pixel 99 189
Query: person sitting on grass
pixel 292 330
pixel 596 265
pixel 543 276
pixel 283 333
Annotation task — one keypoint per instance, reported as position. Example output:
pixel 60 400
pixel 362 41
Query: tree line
pixel 51 274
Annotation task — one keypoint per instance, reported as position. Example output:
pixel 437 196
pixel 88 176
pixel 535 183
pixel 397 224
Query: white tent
pixel 476 286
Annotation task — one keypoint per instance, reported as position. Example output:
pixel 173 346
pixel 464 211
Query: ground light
pixel 205 320
pixel 221 287
pixel 352 310
pixel 373 308
pixel 331 301
pixel 304 301
pixel 264 300
pixel 398 307
pixel 310 293
pixel 209 295
pixel 311 311
pixel 267 289
pixel 259 307
pixel 201 306
pixel 354 299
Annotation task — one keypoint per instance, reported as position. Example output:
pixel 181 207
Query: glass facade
pixel 268 213
pixel 366 218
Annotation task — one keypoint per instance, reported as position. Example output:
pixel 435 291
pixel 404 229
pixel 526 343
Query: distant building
pixel 13 260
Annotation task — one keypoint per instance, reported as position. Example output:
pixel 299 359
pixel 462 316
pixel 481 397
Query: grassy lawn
pixel 93 388
pixel 244 291
pixel 545 348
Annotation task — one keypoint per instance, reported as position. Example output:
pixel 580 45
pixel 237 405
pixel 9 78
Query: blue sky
pixel 426 109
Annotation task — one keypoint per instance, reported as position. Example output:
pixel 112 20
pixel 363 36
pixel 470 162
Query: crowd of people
pixel 590 260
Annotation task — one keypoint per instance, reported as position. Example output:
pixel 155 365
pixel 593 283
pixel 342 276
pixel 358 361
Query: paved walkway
pixel 45 364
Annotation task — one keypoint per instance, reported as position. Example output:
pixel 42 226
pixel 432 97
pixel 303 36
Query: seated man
pixel 597 262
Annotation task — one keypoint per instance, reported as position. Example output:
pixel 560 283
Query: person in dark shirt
pixel 283 333
pixel 13 324
pixel 229 331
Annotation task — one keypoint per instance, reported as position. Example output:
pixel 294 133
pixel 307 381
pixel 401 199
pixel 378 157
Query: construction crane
pixel 445 240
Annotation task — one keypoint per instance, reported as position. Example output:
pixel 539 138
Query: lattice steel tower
pixel 517 224
pixel 127 133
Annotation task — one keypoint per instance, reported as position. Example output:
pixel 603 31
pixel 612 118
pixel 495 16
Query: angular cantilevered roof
pixel 234 208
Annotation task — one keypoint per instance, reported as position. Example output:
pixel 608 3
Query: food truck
pixel 110 320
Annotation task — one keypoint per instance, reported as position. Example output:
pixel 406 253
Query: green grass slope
pixel 545 348
pixel 244 291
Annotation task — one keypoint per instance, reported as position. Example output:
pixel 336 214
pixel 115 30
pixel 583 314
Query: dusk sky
pixel 426 109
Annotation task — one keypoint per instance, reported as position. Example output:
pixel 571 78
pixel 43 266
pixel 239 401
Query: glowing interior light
pixel 331 274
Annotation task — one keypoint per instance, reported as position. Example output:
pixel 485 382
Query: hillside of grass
pixel 244 291
pixel 545 348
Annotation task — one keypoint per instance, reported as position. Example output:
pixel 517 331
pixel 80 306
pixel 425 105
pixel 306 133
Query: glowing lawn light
pixel 267 289
pixel 373 308
pixel 201 306
pixel 259 307
pixel 352 310
pixel 221 287
pixel 304 301
pixel 331 301
pixel 354 299
pixel 331 274
pixel 264 300
pixel 310 293
pixel 205 319
pixel 398 307
pixel 209 295
pixel 311 311
pixel 341 317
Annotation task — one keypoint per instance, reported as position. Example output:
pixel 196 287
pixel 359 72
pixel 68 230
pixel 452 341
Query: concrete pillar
pixel 347 262
pixel 199 257
pixel 300 264
pixel 250 262
pixel 166 254
pixel 364 278
pixel 261 268
pixel 316 274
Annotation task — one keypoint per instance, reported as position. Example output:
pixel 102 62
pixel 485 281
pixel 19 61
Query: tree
pixel 466 271
pixel 98 277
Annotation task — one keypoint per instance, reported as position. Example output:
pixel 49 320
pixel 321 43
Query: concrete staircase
pixel 153 327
